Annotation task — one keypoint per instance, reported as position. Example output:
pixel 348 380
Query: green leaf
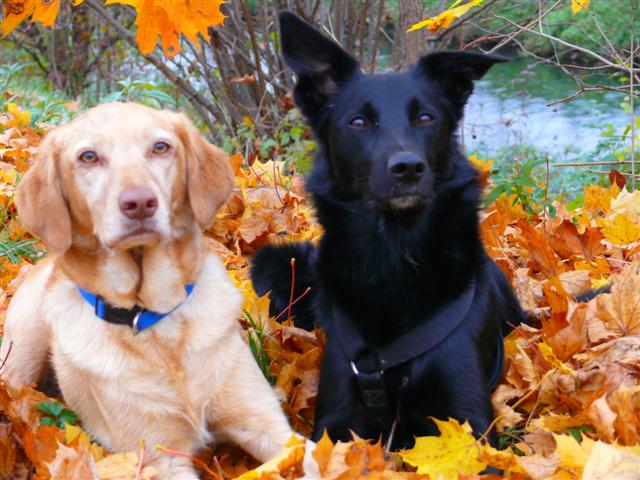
pixel 52 409
pixel 162 97
pixel 67 416
pixel 494 194
pixel 48 421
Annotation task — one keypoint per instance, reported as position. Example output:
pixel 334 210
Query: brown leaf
pixel 123 466
pixel 620 309
pixel 616 178
pixel 542 257
pixel 69 463
pixel 602 418
pixel 8 452
pixel 248 79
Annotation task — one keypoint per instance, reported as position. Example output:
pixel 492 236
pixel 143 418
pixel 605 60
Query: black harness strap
pixel 405 347
pixel 363 357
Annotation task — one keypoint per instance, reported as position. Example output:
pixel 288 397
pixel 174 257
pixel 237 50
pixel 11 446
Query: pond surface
pixel 509 107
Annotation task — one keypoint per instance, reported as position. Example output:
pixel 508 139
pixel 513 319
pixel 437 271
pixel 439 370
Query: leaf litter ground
pixel 567 407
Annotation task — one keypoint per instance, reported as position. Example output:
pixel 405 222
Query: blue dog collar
pixel 137 318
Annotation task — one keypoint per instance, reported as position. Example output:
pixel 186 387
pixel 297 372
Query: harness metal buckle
pixel 356 372
pixel 134 325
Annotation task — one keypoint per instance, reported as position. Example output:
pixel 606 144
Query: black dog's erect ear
pixel 455 72
pixel 320 64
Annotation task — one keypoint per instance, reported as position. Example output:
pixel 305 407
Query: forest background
pixel 554 135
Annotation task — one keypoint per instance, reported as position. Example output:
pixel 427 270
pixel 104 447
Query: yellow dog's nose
pixel 138 203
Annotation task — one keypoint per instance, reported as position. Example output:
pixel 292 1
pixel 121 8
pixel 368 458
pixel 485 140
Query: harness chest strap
pixel 138 318
pixel 431 333
pixel 405 347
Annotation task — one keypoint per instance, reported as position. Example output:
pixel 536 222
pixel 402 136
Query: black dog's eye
pixel 88 157
pixel 424 119
pixel 358 122
pixel 161 147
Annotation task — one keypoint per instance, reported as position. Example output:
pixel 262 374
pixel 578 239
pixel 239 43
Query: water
pixel 509 107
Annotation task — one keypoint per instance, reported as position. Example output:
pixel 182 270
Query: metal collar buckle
pixel 134 325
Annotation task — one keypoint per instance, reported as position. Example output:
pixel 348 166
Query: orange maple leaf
pixel 169 20
pixel 16 11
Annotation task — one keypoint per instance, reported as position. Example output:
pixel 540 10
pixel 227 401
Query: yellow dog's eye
pixel 161 147
pixel 88 157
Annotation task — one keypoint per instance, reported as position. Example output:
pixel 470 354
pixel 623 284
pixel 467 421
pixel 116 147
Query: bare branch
pixel 199 103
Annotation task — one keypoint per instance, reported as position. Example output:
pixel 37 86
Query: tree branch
pixel 199 103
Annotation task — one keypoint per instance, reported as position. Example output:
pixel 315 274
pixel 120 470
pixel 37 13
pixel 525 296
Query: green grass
pixel 257 337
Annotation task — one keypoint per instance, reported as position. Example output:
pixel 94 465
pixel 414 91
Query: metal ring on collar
pixel 134 325
pixel 356 372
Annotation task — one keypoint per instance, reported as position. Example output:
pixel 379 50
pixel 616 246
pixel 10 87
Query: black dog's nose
pixel 406 166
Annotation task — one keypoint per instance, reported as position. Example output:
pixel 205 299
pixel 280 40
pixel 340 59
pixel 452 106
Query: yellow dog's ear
pixel 209 174
pixel 40 199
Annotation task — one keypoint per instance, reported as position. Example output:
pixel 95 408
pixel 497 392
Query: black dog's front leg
pixel 460 390
pixel 450 382
pixel 337 396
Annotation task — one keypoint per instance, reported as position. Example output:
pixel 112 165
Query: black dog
pixel 411 305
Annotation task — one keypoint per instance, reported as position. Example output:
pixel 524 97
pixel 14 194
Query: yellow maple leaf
pixel 573 455
pixel 75 436
pixel 577 5
pixel 446 18
pixel 599 282
pixel 550 357
pixel 598 199
pixel 454 452
pixel 510 207
pixel 291 456
pixel 505 460
pixel 481 165
pixel 21 118
pixel 620 230
pixel 627 203
pixel 612 461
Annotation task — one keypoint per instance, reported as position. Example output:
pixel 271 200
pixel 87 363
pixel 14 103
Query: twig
pixel 4 360
pixel 275 179
pixel 293 287
pixel 631 97
pixel 300 297
pixel 140 461
pixel 195 460
pixel 566 44
pixel 517 404
pixel 199 103
pixel 461 21
pixel 587 164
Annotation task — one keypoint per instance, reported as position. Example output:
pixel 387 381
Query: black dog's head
pixel 387 137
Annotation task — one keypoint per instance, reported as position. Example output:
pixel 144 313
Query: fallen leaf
pixel 454 451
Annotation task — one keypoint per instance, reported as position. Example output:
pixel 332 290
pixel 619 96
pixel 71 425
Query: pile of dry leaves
pixel 567 407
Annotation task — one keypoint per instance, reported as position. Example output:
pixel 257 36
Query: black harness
pixel 370 363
